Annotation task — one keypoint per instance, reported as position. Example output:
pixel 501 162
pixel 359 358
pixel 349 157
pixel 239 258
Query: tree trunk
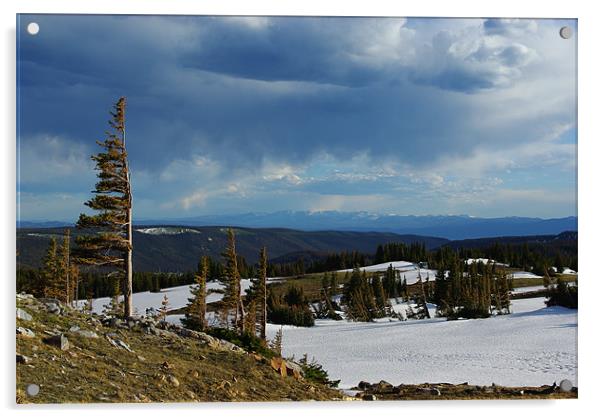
pixel 264 308
pixel 127 293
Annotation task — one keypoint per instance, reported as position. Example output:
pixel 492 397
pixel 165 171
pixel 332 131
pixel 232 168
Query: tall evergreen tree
pixel 67 272
pixel 232 297
pixel 109 243
pixel 50 282
pixel 197 304
pixel 257 296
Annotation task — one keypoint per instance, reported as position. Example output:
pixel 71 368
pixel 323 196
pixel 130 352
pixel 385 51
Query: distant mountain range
pixel 447 226
pixel 176 248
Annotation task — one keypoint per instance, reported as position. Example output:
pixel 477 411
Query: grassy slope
pixel 92 370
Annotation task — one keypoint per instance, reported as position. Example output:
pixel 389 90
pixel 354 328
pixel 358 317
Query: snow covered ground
pixel 527 289
pixel 406 269
pixel 178 297
pixel 534 345
pixel 523 275
pixel 484 261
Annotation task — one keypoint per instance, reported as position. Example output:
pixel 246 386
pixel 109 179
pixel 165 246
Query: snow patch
pixel 167 231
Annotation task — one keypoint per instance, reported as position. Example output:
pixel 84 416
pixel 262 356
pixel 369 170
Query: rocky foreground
pixel 64 356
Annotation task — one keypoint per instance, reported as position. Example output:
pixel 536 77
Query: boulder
pixel 173 381
pixel 23 315
pixel 59 341
pixel 363 385
pixel 383 385
pixel 368 397
pixel 115 342
pixel 21 359
pixel 86 333
pixel 25 332
pixel 435 392
pixel 51 305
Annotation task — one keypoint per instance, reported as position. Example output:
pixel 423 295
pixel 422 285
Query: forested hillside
pixel 177 249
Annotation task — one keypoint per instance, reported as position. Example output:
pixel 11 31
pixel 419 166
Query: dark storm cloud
pixel 194 85
pixel 240 91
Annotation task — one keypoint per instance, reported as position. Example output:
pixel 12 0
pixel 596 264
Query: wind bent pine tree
pixel 109 243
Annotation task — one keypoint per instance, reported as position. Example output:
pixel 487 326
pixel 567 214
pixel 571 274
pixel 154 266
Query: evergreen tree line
pixel 59 276
pixel 525 256
pixel 364 297
pixel 474 290
pixel 394 251
pixel 333 261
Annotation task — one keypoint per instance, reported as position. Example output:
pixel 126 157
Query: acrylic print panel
pixel 223 208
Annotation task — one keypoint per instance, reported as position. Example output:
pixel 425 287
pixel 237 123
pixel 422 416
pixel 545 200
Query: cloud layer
pixel 240 114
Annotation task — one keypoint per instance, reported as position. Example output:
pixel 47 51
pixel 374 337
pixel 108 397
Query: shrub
pixel 563 295
pixel 315 373
pixel 246 340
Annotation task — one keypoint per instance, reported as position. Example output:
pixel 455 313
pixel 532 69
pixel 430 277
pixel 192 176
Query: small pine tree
pixel 197 304
pixel 257 297
pixel 53 272
pixel 504 295
pixel 89 305
pixel 164 308
pixel 276 343
pixel 115 307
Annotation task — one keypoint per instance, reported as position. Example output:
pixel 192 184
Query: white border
pixel 589 192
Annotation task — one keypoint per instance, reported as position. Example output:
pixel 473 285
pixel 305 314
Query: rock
pixel 115 322
pixel 74 328
pixel 23 315
pixel 118 343
pixel 173 381
pixel 294 369
pixel 21 359
pixel 383 385
pixel 86 333
pixel 435 392
pixel 225 384
pixel 141 358
pixel 25 332
pixel 52 305
pixel 364 385
pixel 194 373
pixel 369 397
pixel 59 341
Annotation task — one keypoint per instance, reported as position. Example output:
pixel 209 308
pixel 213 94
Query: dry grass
pixel 92 370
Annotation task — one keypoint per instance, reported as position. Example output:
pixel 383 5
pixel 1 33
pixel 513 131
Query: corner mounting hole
pixel 33 28
pixel 566 32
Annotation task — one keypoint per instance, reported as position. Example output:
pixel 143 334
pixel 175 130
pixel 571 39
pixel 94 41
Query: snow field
pixel 534 345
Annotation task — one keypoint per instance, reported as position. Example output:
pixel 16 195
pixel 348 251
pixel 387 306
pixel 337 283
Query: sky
pixel 411 116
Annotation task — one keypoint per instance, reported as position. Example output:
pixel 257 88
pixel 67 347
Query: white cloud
pixel 49 159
